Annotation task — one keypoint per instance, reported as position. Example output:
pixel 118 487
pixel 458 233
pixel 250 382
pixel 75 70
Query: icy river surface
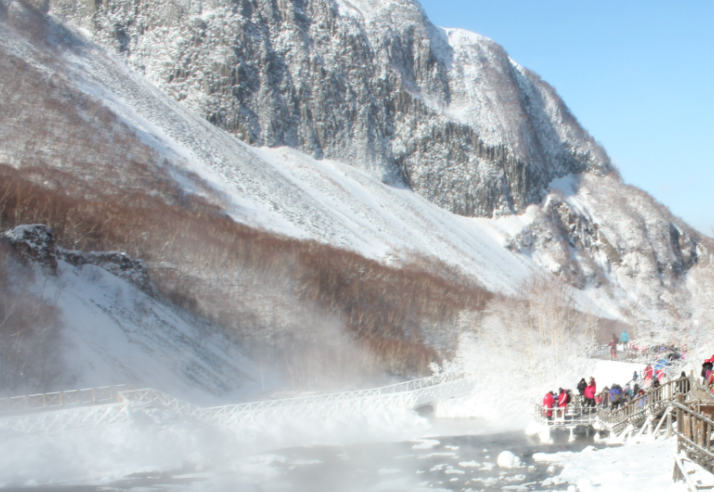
pixel 458 461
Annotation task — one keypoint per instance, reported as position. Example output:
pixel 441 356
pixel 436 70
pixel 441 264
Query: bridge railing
pixel 62 399
pixel 573 415
pixel 694 435
pixel 408 394
pixel 653 401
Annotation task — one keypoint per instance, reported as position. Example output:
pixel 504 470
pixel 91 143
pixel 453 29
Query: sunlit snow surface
pixel 113 333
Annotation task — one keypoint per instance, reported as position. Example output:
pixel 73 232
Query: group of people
pixel 562 399
pixel 615 396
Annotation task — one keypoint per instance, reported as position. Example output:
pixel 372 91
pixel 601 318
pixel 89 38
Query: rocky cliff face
pixel 370 83
pixel 36 243
pixel 625 253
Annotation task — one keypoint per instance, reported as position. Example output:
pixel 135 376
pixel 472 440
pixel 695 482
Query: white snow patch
pixel 508 460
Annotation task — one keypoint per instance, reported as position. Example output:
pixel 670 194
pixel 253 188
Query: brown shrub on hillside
pixel 68 162
pixel 236 275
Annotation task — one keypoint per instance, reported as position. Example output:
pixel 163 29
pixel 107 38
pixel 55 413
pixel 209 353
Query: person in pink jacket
pixel 590 391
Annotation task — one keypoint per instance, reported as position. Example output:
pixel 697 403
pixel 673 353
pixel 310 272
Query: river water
pixel 455 463
pixel 459 459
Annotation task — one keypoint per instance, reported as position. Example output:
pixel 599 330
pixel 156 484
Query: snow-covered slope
pixel 625 252
pixel 115 334
pixel 111 331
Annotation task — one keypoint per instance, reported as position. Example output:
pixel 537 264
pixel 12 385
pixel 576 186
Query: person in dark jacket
pixel 581 387
pixel 685 385
pixel 706 370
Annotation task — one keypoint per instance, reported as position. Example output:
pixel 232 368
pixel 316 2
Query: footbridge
pixel 48 412
pixel 635 413
pixel 680 408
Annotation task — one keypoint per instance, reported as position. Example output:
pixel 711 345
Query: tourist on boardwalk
pixel 706 370
pixel 548 402
pixel 635 376
pixel 613 347
pixel 581 387
pixel 685 385
pixel 648 373
pixel 605 395
pixel 628 391
pixel 615 396
pixel 590 394
pixel 641 398
pixel 563 399
pixel 624 339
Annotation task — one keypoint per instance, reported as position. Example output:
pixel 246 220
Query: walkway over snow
pixel 95 406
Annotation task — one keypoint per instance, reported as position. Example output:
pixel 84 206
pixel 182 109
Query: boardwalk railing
pixel 410 394
pixel 653 402
pixel 573 415
pixel 114 403
pixel 61 399
pixel 694 435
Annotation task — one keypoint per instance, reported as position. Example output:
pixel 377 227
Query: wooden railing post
pixel 680 423
pixel 669 423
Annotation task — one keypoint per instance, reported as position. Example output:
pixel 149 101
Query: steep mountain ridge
pixel 626 255
pixel 372 84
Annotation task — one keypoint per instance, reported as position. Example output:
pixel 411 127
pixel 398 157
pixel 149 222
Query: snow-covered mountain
pixel 362 127
pixel 369 83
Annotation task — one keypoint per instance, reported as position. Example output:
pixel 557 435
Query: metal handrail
pixel 408 394
pixel 61 399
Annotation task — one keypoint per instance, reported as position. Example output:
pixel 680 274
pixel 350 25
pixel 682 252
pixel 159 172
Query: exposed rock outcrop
pixel 36 243
pixel 372 83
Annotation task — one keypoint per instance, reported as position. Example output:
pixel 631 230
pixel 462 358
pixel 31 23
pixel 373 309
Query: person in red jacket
pixel 613 347
pixel 648 373
pixel 563 398
pixel 548 402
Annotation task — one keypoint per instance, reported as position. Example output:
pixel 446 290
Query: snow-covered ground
pixel 632 467
pixel 113 333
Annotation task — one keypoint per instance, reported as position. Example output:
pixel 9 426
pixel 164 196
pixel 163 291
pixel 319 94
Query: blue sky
pixel 639 76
